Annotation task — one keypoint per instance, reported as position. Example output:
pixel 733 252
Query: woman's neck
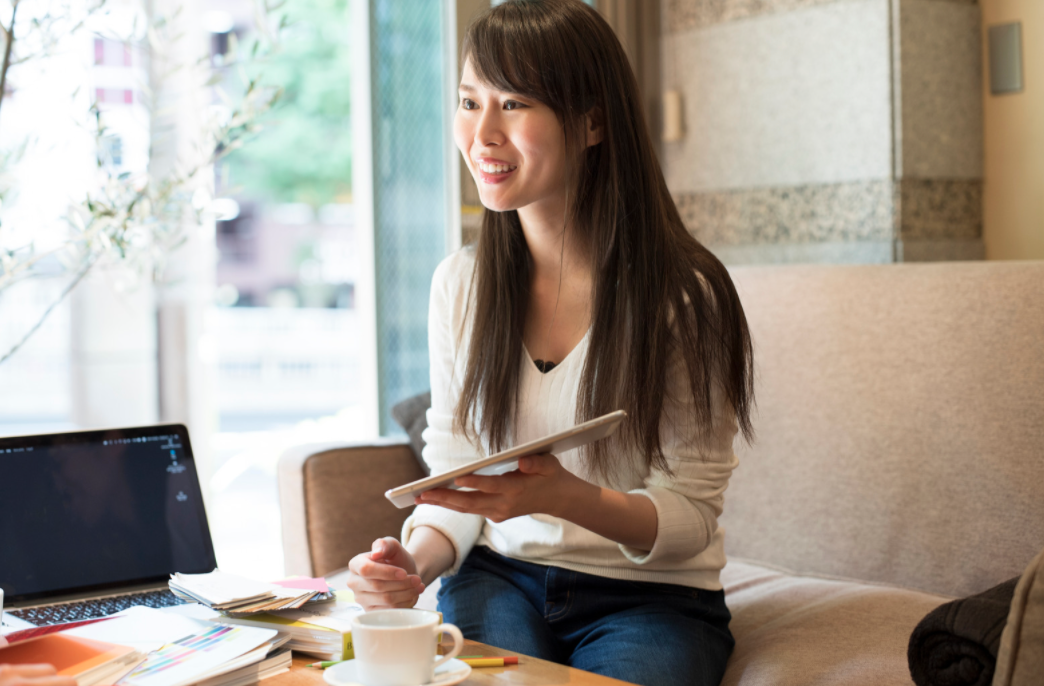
pixel 559 310
pixel 552 242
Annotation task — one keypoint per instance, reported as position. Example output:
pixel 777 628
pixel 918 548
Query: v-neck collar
pixel 558 365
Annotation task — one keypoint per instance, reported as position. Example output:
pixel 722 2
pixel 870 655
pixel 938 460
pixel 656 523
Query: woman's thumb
pixel 384 548
pixel 534 464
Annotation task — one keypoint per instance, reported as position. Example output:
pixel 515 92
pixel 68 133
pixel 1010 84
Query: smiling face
pixel 513 145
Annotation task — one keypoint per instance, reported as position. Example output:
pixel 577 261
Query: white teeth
pixel 496 168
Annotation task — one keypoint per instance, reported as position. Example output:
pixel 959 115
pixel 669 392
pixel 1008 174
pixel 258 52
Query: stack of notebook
pixel 146 647
pixel 323 631
pixel 238 595
pixel 89 662
pixel 215 656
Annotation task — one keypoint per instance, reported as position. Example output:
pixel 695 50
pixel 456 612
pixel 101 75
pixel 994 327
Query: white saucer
pixel 448 673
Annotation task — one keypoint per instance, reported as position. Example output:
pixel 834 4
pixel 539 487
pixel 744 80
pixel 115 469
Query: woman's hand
pixel 385 577
pixel 541 485
pixel 32 675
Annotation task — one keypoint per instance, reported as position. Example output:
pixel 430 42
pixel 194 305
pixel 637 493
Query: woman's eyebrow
pixel 468 88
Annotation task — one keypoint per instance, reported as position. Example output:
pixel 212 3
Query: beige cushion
pixel 1020 659
pixel 807 630
pixel 900 423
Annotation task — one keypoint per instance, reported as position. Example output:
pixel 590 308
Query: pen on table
pixel 471 660
pixel 489 661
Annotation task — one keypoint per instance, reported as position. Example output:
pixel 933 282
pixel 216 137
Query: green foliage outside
pixel 304 152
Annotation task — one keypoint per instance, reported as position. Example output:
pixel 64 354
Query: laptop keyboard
pixel 98 607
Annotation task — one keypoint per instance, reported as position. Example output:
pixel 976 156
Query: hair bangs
pixel 504 55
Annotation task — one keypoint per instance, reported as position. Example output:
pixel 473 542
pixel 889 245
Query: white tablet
pixel 507 460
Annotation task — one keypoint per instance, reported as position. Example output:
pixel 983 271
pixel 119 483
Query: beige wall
pixel 1013 223
pixel 828 130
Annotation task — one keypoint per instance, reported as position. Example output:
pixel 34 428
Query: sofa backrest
pixel 900 423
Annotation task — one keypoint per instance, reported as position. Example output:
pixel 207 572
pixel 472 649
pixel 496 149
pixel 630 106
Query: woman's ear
pixel 594 126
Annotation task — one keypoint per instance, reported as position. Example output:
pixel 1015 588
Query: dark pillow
pixel 411 416
pixel 956 643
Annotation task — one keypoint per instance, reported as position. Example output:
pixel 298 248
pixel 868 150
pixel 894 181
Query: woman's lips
pixel 501 177
pixel 494 171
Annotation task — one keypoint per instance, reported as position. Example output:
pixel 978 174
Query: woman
pixel 585 294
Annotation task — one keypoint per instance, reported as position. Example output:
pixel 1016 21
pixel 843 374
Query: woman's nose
pixel 488 131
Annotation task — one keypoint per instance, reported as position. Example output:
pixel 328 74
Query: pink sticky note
pixel 305 584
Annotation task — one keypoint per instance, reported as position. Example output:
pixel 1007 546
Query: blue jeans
pixel 645 633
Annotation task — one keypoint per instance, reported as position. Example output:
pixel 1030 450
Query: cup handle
pixel 458 642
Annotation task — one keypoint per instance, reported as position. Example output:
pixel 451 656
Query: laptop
pixel 93 522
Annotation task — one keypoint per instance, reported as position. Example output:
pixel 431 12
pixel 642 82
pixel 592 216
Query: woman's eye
pixel 468 104
pixel 513 105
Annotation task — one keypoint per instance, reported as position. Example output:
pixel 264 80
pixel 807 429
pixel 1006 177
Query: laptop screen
pixel 88 511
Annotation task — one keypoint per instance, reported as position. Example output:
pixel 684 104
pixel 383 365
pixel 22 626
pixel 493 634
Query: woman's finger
pixel 542 463
pixel 474 502
pixel 438 493
pixel 378 570
pixel 486 484
pixel 372 601
pixel 445 505
pixel 389 550
pixel 364 585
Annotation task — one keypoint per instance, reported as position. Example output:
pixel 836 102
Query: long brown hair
pixel 657 291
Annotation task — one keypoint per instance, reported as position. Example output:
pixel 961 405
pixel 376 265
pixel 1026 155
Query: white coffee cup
pixel 397 647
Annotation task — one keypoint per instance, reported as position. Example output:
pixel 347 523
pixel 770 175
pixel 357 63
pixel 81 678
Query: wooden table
pixel 529 671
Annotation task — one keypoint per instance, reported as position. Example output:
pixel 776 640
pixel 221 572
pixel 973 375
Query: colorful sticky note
pixel 304 583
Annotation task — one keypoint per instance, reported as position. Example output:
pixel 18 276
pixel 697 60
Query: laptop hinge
pixel 77 597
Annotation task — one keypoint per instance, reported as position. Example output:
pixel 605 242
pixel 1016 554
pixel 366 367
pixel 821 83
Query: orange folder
pixel 70 655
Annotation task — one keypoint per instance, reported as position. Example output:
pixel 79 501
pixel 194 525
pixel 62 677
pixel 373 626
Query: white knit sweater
pixel 689 543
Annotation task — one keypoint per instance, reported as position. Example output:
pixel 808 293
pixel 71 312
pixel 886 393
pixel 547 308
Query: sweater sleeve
pixel 444 448
pixel 689 501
